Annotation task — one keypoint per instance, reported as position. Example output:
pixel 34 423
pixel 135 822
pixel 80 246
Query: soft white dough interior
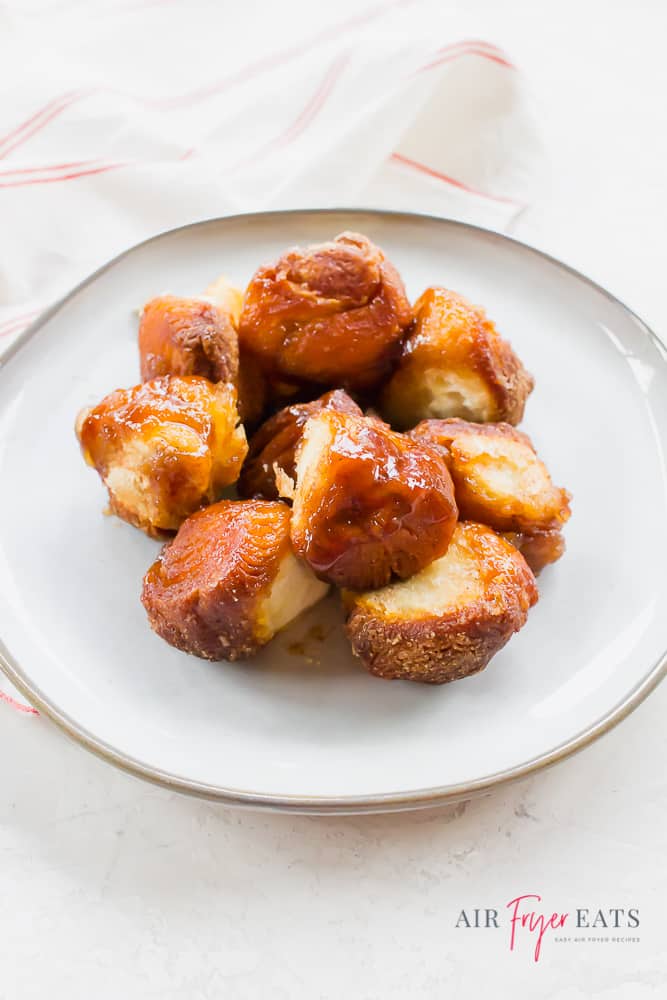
pixel 455 394
pixel 504 467
pixel 318 435
pixel 294 589
pixel 127 480
pixel 449 582
pixel 130 490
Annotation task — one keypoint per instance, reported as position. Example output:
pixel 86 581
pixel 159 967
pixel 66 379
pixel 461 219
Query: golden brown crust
pixel 369 502
pixel 498 478
pixel 455 364
pixel 164 448
pixel 187 336
pixel 443 639
pixel 333 314
pixel 275 442
pixel 203 593
pixel 538 548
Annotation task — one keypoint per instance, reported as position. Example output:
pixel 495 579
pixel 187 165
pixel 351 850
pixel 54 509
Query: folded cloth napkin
pixel 123 118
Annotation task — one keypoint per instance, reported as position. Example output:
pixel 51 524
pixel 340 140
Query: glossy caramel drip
pixel 379 505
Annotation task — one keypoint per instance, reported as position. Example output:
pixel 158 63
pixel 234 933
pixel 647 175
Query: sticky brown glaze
pixel 179 336
pixel 539 548
pixel 369 502
pixel 331 314
pixel 451 619
pixel 275 442
pixel 213 591
pixel 498 478
pixel 455 364
pixel 164 448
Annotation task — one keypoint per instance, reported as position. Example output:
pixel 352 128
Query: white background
pixel 111 888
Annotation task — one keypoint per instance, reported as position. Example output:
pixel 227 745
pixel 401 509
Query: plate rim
pixel 314 804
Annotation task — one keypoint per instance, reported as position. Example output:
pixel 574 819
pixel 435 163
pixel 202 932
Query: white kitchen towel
pixel 123 118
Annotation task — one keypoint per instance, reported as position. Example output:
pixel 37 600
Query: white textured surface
pixel 111 888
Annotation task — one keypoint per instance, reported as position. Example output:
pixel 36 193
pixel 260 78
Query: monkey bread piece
pixel 229 581
pixel 164 448
pixel 368 502
pixel 274 444
pixel 455 364
pixel 498 478
pixel 538 548
pixel 449 620
pixel 187 337
pixel 197 336
pixel 331 314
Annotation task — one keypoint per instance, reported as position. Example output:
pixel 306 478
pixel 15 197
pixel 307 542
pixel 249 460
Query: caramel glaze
pixel 332 314
pixel 383 505
pixel 539 548
pixel 127 411
pixel 203 591
pixel 181 336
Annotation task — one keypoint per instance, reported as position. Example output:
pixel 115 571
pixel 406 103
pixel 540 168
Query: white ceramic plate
pixel 311 730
